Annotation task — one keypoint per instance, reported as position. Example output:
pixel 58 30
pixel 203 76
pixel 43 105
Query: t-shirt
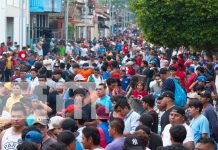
pixel 131 121
pixel 104 127
pixel 182 77
pixel 190 80
pixel 199 126
pixel 211 116
pixel 165 118
pixel 116 144
pixel 47 143
pixel 105 101
pixel 154 127
pixel 22 55
pixel 84 51
pixel 155 141
pixel 166 135
pixel 139 95
pixel 105 75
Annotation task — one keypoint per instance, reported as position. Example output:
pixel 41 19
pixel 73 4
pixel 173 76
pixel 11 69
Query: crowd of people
pixel 117 93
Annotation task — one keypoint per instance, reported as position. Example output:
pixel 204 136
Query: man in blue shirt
pixel 199 123
pixel 101 50
pixel 103 99
pixel 124 78
pixel 209 112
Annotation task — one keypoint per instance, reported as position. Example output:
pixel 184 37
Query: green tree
pixel 173 23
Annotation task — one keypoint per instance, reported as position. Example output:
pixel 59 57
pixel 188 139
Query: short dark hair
pixel 146 119
pixel 118 125
pixel 121 102
pixel 178 133
pixel 104 68
pixel 157 75
pixel 144 128
pixel 19 107
pixel 206 141
pixel 26 145
pixel 82 120
pixel 80 91
pixel 196 104
pixel 149 99
pixel 57 146
pixel 201 69
pixel 66 137
pixel 92 132
pixel 62 65
pixel 71 92
pixel 34 69
pixel 172 147
pixel 42 76
pixel 110 81
pixel 104 85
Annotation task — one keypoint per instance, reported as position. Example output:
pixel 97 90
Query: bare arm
pixel 204 135
pixel 193 84
pixel 1 136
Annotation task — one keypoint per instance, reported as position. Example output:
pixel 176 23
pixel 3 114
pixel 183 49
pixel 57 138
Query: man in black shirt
pixel 168 83
pixel 167 102
pixel 148 102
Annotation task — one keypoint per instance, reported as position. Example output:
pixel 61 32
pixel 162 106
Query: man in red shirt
pixel 2 48
pixel 138 60
pixel 125 48
pixel 180 74
pixel 191 79
pixel 23 54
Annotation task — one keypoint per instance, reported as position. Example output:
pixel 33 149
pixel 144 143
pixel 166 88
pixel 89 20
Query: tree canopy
pixel 173 23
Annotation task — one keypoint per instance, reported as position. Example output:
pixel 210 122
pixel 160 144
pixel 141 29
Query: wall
pixel 10 8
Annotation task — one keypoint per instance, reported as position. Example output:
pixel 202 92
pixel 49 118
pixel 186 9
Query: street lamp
pixel 66 20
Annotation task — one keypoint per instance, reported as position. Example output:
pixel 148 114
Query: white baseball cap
pixel 55 122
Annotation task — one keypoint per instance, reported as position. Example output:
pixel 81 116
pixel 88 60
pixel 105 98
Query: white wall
pixel 10 8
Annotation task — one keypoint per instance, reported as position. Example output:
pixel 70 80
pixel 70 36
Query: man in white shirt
pixel 130 117
pixel 177 116
pixel 84 51
pixel 47 62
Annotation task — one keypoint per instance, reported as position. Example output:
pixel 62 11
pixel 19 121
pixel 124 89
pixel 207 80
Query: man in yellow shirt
pixel 15 97
pixel 8 68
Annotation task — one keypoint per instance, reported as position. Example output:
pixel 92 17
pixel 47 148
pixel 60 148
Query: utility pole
pixel 21 24
pixel 66 20
pixel 110 17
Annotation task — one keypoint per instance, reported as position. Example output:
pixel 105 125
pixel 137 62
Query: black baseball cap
pixel 206 94
pixel 71 125
pixel 133 142
pixel 168 94
pixel 179 110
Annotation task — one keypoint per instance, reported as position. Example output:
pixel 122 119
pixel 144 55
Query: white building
pixel 11 13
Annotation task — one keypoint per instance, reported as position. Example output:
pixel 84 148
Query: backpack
pixel 180 97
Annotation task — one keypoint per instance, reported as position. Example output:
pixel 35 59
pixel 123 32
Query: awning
pixel 102 25
pixel 101 16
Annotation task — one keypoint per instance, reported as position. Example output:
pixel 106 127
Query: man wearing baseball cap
pixel 209 113
pixel 167 103
pixel 177 117
pixel 41 124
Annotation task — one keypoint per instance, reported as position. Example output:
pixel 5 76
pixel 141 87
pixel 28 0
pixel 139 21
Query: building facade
pixel 14 19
